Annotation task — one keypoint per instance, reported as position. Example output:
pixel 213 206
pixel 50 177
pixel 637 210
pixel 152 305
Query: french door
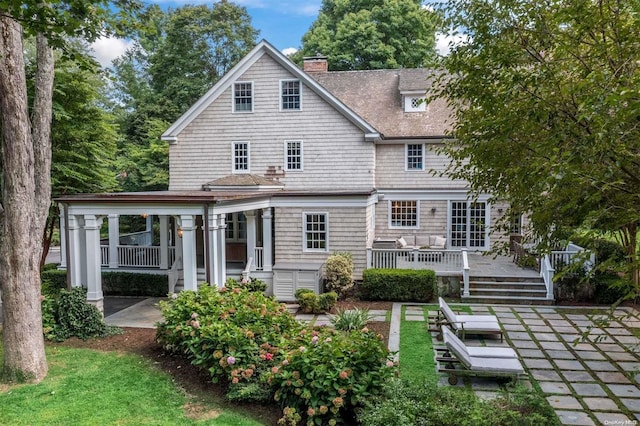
pixel 468 224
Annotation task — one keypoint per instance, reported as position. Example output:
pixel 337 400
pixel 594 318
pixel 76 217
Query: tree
pixel 372 34
pixel 176 57
pixel 546 113
pixel 26 156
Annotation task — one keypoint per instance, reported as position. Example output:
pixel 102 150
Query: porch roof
pixel 182 197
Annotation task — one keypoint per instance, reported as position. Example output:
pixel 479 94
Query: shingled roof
pixel 376 96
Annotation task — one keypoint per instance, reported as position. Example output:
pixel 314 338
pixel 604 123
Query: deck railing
pixel 173 275
pixel 137 256
pixel 437 260
pixel 258 259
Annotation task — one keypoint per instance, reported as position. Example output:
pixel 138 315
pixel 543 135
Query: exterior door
pixel 468 224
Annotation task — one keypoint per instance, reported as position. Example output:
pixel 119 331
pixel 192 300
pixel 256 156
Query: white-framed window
pixel 290 95
pixel 243 96
pixel 315 231
pixel 415 157
pixel 236 227
pixel 516 223
pixel 415 104
pixel 404 214
pixel 240 157
pixel 293 156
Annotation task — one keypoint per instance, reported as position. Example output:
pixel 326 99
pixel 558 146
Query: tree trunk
pixel 21 228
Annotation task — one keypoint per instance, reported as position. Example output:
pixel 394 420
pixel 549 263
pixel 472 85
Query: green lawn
pixel 416 351
pixel 86 387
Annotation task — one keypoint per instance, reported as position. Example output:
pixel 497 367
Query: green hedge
pixel 399 285
pixel 113 283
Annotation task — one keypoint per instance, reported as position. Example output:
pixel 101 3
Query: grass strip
pixel 416 351
pixel 86 387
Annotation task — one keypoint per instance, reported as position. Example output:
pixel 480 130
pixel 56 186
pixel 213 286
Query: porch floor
pixel 500 266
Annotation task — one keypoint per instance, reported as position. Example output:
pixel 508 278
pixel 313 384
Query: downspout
pixel 207 254
pixel 67 249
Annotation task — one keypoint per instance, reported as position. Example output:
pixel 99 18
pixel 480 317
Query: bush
pixel 252 284
pixel 312 303
pixel 349 320
pixel 339 272
pixel 399 285
pixel 330 373
pixel 53 280
pixel 413 403
pixel 610 288
pixel 69 314
pixel 134 284
pixel 254 343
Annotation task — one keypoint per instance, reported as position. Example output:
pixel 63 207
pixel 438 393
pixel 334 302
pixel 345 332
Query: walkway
pixel 587 383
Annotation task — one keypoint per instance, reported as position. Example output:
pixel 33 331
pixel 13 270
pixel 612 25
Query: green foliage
pixel 134 284
pixel 412 403
pixel 69 314
pixel 252 284
pixel 327 374
pixel 253 342
pixel 401 285
pixel 611 288
pixel 339 272
pixel 545 113
pixel 372 34
pixel 311 303
pixel 351 320
pixel 53 280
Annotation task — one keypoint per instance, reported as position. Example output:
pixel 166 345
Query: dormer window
pixel 415 104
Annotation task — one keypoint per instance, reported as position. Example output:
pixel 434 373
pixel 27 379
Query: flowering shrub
pixel 235 334
pixel 255 344
pixel 251 284
pixel 327 373
pixel 339 272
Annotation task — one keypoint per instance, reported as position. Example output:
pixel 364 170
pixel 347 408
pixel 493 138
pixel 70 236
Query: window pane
pixel 404 214
pixel 414 157
pixel 316 231
pixel 290 95
pixel 243 97
pixel 294 155
pixel 241 156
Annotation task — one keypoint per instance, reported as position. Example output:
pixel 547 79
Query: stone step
pixel 505 285
pixel 507 300
pixel 502 279
pixel 490 292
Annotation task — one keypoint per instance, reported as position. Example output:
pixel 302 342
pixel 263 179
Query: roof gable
pixel 264 48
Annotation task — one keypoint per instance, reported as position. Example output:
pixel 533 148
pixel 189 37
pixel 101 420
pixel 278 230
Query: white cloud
pixel 444 42
pixel 106 49
pixel 289 51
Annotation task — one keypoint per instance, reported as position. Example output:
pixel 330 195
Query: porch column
pixel 214 249
pixel 222 255
pixel 63 239
pixel 251 237
pixel 164 242
pixel 190 273
pixel 267 241
pixel 148 236
pixel 114 240
pixel 92 224
pixel 75 248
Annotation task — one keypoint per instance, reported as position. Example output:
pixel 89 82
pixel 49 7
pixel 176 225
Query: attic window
pixel 414 104
pixel 243 96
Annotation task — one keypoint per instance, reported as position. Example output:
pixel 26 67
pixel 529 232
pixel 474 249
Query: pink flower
pixel 302 349
pixel 274 370
pixel 244 281
pixel 231 360
pixel 314 339
pixel 311 412
pixel 344 375
pixel 285 362
pixel 389 363
pixel 268 356
pixel 174 296
pixel 328 339
pixel 194 315
pixel 235 380
pixel 195 324
pixel 366 329
pixel 337 402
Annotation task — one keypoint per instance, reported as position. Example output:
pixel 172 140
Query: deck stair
pixel 507 290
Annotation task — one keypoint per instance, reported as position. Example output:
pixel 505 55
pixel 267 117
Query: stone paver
pixel 612 377
pixel 537 363
pixel 600 404
pixel 554 387
pixel 524 344
pixel 600 366
pixel 578 418
pixel 590 355
pixel 560 354
pixel 564 401
pixel 531 353
pixel 613 419
pixel 414 317
pixel 569 364
pixel 545 375
pixel 621 356
pixel 577 376
pixel 559 346
pixel 588 389
pixel 514 327
pixel 625 391
pixel 631 404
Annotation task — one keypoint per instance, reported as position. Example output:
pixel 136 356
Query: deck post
pixel 267 242
pixel 114 240
pixel 92 224
pixel 189 252
pixel 213 250
pixel 222 255
pixel 369 258
pixel 164 241
pixel 465 273
pixel 251 234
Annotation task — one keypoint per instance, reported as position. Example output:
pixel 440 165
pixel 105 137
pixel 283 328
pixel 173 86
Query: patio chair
pixel 476 351
pixel 461 363
pixel 467 324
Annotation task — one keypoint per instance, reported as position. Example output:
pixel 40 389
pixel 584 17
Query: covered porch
pixel 190 237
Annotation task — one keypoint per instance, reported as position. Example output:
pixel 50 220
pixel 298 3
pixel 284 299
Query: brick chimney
pixel 315 64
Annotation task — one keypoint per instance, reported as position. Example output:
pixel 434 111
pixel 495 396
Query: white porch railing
pixel 437 260
pixel 258 259
pixel 137 256
pixel 173 275
pixel 571 254
pixel 547 271
pixel 247 269
pixel 465 274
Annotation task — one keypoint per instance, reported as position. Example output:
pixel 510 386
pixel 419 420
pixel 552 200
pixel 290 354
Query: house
pixel 275 168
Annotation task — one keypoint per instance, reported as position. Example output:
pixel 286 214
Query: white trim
pixel 233 97
pixel 321 202
pixel 286 80
pixel 304 233
pixel 241 67
pixel 422 155
pixel 233 158
pixel 286 156
pixel 430 195
pixel 389 210
pixel 487 224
